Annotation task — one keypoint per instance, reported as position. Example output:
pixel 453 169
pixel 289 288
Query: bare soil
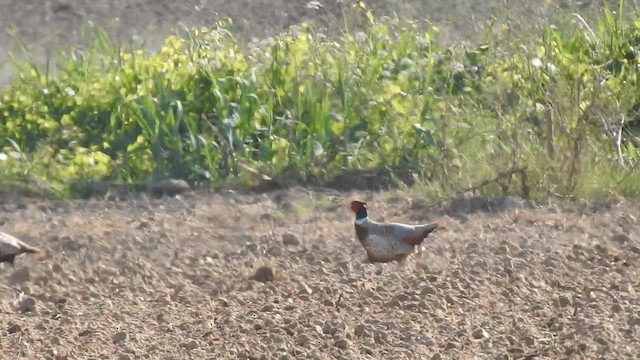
pixel 281 276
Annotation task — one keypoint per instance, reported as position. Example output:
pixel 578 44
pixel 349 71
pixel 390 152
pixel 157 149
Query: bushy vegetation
pixel 550 112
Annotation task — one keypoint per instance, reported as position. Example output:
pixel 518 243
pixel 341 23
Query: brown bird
pixel 11 246
pixel 386 242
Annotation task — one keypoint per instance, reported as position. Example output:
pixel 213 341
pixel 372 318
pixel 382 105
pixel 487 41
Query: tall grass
pixel 559 106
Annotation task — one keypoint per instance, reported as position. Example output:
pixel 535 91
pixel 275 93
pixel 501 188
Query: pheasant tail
pixel 41 254
pixel 422 232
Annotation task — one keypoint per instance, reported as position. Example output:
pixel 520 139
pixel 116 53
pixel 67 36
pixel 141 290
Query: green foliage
pixel 560 104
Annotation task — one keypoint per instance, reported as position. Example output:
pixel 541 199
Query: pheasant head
pixel 360 209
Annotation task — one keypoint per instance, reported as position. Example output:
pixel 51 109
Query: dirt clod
pixel 20 275
pixel 621 239
pixel 190 345
pixel 479 333
pixel 120 337
pixel 289 239
pixel 564 301
pixel 451 345
pixel 27 304
pixel 341 343
pixel 303 340
pixel 264 274
pixel 14 328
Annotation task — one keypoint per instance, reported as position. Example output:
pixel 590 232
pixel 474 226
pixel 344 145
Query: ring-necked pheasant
pixel 386 242
pixel 11 246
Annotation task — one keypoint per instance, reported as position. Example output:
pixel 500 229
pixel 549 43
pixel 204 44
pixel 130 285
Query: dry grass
pixel 155 279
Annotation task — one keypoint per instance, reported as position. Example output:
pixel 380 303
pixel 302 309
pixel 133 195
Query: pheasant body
pixel 386 242
pixel 11 246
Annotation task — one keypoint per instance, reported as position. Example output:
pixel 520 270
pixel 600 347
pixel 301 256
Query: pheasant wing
pixel 412 234
pixel 400 232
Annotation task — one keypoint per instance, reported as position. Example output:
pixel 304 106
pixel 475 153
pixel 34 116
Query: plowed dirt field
pixel 180 278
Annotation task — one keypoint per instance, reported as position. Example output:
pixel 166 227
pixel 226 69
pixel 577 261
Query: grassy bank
pixel 550 112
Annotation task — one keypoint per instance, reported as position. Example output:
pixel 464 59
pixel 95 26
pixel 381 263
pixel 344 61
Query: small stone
pixel 341 344
pixel 264 274
pixel 28 304
pixel 359 330
pixel 428 290
pixel 275 251
pixel 120 337
pixel 479 333
pixel 14 328
pixel 56 268
pixel 60 302
pixel 621 239
pixel 411 306
pixel 450 346
pixel 289 239
pixel 564 301
pixel 393 303
pixel 125 357
pixel 602 341
pixel 381 338
pixel 276 339
pixel 20 275
pixel 368 351
pixel 303 340
pixel 327 329
pixel 190 345
pixel 530 341
pixel 267 308
pixel 85 332
pixel 304 289
pixel 429 341
pixel 69 244
pixel 487 344
pixel 628 289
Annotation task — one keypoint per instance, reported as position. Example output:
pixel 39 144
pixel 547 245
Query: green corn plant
pixel 560 102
